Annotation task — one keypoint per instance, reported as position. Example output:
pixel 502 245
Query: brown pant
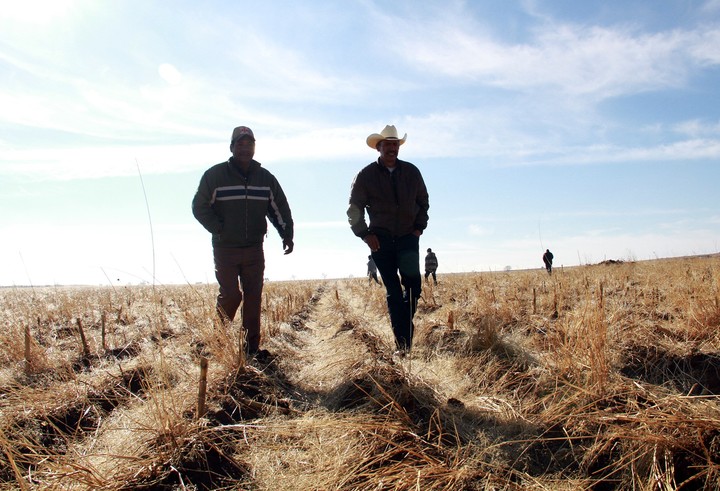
pixel 248 265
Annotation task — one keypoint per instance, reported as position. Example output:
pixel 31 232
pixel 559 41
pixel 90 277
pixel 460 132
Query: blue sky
pixel 590 128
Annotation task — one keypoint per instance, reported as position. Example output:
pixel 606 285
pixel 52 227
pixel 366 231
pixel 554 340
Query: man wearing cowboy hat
pixel 394 195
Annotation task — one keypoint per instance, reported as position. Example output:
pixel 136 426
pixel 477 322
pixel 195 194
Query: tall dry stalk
pixel 202 388
pixel 83 339
pixel 28 356
pixel 597 336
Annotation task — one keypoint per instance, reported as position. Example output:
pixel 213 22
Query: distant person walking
pixel 232 202
pixel 431 265
pixel 372 270
pixel 393 194
pixel 548 259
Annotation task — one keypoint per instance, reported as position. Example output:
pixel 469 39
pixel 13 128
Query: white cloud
pixel 94 162
pixel 696 128
pixel 705 49
pixel 90 162
pixel 475 230
pixel 711 6
pixel 581 60
pixel 681 151
pixel 170 74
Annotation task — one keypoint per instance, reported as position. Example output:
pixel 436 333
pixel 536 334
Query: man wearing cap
pixel 394 195
pixel 232 203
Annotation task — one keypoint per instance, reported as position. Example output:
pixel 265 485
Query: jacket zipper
pixel 394 183
pixel 246 209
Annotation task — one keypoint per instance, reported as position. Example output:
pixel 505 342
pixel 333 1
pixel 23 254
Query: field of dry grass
pixel 598 377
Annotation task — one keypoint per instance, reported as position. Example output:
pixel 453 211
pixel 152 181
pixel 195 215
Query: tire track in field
pixel 342 357
pixel 347 338
pixel 353 406
pixel 344 333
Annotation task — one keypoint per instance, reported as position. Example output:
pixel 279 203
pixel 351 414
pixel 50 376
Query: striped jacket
pixel 233 207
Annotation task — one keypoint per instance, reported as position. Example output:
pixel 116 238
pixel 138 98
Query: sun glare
pixel 38 12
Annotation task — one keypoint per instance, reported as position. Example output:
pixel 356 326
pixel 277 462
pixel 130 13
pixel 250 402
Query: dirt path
pixel 325 359
pixel 347 340
pixel 343 334
pixel 364 412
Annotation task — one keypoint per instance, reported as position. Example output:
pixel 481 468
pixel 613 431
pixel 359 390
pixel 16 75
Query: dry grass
pixel 597 377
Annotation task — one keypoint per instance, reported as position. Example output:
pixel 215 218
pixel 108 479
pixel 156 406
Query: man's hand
pixel 288 246
pixel 372 241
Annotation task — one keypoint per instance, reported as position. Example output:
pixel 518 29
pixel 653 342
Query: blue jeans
pixel 400 255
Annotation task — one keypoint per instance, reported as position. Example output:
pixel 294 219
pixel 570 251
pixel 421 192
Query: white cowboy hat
pixel 388 133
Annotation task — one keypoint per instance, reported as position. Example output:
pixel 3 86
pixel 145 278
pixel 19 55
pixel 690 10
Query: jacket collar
pixel 254 165
pixel 398 164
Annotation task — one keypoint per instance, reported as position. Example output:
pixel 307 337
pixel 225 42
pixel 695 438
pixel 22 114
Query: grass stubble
pixel 598 377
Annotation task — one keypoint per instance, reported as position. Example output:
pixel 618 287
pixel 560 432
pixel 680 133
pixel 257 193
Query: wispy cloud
pixel 476 230
pixel 681 151
pixel 110 161
pixel 711 6
pixel 579 60
pixel 697 128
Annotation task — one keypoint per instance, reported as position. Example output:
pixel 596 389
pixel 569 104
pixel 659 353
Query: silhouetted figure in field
pixel 548 259
pixel 372 271
pixel 431 265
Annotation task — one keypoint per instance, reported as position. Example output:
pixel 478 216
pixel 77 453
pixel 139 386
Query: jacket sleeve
pixel 202 207
pixel 422 201
pixel 356 210
pixel 278 211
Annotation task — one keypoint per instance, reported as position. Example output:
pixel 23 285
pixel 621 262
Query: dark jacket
pixel 431 262
pixel 396 202
pixel 548 258
pixel 233 206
